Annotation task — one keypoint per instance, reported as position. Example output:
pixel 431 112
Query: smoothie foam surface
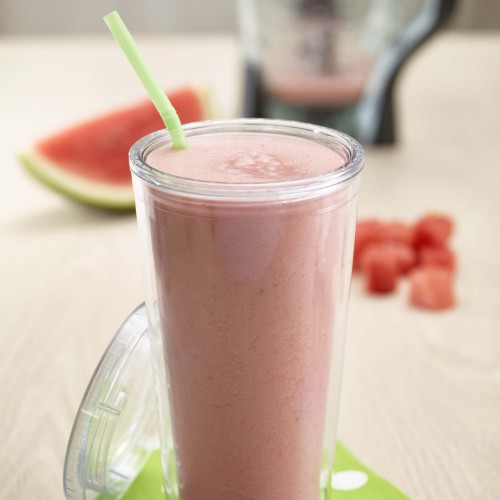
pixel 255 158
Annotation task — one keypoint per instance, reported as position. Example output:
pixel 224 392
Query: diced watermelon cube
pixel 396 231
pixel 435 256
pixel 403 255
pixel 366 231
pixel 381 269
pixel 433 230
pixel 432 288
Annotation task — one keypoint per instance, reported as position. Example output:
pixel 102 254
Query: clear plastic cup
pixel 247 293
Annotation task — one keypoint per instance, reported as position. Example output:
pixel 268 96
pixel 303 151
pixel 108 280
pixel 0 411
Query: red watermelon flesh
pixel 433 230
pixel 436 257
pixel 381 271
pixel 402 255
pixel 88 163
pixel 97 150
pixel 432 288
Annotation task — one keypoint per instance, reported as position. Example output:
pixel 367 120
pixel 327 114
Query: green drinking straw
pixel 153 88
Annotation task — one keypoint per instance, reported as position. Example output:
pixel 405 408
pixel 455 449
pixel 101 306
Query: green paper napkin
pixel 357 481
pixel 351 480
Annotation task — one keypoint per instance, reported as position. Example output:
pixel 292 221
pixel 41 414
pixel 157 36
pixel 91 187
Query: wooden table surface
pixel 421 391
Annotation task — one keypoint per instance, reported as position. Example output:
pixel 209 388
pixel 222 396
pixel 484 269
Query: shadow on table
pixel 66 217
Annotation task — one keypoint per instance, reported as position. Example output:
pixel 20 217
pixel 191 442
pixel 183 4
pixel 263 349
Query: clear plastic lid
pixel 115 428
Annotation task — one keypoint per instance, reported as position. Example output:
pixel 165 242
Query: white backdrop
pixel 85 16
pixel 168 16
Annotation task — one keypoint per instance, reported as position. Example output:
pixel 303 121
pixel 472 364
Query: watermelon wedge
pixel 89 162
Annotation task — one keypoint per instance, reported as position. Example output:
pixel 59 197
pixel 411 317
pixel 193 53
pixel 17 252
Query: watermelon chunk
pixel 402 255
pixel 436 257
pixel 89 162
pixel 381 269
pixel 366 233
pixel 385 251
pixel 432 288
pixel 433 230
pixel 395 231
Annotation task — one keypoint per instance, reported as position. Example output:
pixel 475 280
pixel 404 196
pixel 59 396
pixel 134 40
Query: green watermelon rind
pixel 81 190
pixel 100 194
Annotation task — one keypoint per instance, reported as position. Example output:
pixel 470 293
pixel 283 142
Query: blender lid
pixel 115 428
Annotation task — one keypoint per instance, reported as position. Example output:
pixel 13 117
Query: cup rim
pixel 306 187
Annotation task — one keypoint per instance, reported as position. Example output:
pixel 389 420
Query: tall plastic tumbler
pixel 248 239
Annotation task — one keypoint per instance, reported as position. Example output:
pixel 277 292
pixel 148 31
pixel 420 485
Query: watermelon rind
pixel 81 189
pixel 207 101
pixel 97 194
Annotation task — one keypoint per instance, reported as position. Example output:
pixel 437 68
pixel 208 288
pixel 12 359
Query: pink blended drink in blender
pixel 248 236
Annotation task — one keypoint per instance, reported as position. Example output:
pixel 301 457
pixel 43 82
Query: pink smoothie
pixel 293 82
pixel 248 296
